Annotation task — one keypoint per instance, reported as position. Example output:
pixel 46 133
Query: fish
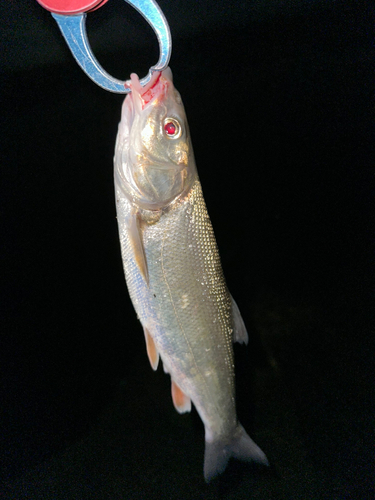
pixel 173 269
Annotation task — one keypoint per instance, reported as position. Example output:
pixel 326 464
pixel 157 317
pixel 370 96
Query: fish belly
pixel 186 306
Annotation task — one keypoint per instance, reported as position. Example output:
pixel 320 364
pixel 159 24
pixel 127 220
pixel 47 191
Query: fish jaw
pixel 154 160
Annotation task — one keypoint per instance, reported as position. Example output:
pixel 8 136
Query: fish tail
pixel 218 452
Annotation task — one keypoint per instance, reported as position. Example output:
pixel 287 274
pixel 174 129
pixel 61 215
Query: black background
pixel 279 98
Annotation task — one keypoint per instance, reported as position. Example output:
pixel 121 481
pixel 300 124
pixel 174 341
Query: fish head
pixel 154 160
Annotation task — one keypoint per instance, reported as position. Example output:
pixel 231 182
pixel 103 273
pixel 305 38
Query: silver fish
pixel 172 267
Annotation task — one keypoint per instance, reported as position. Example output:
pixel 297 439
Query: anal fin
pixel 152 352
pixel 136 240
pixel 181 402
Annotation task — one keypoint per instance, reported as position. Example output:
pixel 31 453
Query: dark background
pixel 279 98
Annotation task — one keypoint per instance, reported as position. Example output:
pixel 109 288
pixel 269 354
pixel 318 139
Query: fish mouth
pixel 141 97
pixel 153 89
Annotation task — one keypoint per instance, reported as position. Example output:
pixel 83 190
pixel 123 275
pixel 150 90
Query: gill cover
pixel 154 161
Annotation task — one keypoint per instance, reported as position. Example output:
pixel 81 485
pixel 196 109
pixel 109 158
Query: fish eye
pixel 172 128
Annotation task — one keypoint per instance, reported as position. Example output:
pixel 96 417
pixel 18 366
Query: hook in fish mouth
pixel 135 83
pixel 157 86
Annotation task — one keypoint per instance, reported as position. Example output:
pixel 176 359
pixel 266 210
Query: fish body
pixel 173 269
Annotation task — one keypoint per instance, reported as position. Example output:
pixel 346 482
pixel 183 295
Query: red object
pixel 170 128
pixel 71 7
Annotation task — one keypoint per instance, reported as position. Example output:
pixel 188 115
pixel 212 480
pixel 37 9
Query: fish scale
pixel 177 248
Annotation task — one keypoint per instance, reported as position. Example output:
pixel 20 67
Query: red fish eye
pixel 170 128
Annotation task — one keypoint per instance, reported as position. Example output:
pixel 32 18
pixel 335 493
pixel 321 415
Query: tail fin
pixel 241 446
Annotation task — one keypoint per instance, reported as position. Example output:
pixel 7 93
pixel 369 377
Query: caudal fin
pixel 218 453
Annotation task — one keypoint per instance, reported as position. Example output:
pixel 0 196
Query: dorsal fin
pixel 239 329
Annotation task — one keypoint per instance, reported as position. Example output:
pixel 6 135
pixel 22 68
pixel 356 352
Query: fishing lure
pixel 171 260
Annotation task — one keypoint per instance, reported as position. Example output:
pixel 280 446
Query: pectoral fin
pixel 136 240
pixel 152 352
pixel 239 329
pixel 181 402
